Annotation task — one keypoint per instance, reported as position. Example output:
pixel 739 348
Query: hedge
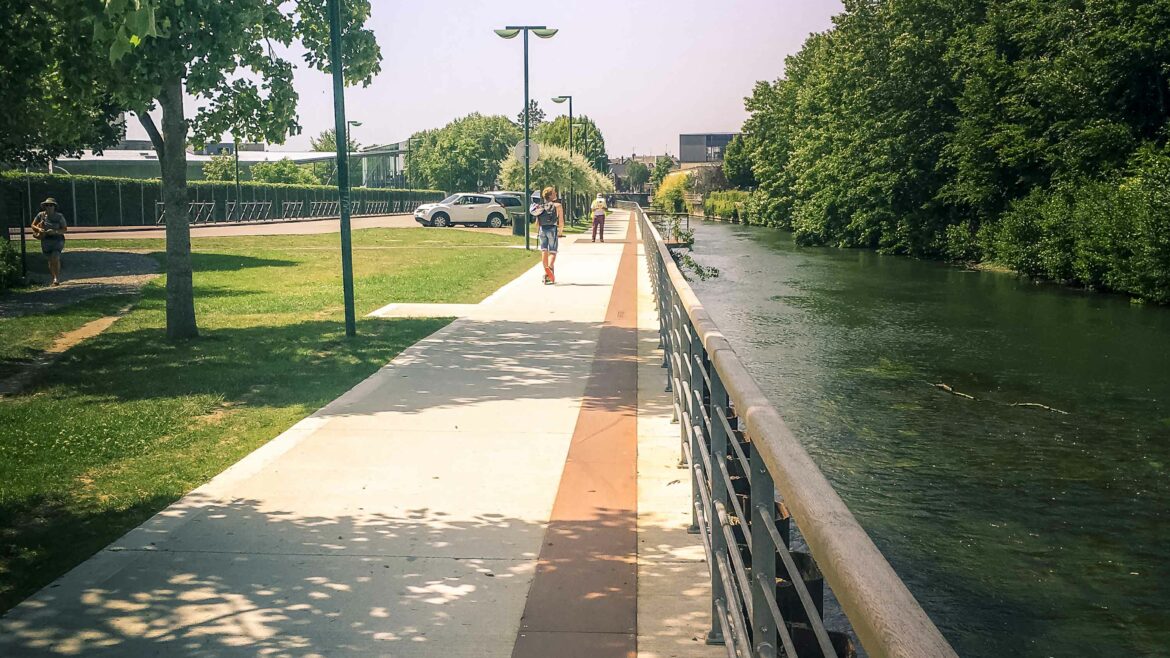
pixel 109 201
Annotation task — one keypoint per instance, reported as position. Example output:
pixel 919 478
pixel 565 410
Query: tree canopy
pixel 737 164
pixel 662 167
pixel 638 174
pixel 284 171
pixel 462 154
pixel 54 76
pixel 587 140
pixel 221 167
pixel 535 116
pixel 557 169
pixel 222 54
pixel 926 127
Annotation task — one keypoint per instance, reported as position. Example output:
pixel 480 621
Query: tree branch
pixel 155 137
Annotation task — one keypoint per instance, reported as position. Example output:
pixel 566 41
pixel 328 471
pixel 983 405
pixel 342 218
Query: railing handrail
pixel 886 617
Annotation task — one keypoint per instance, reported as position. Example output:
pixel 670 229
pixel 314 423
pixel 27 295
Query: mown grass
pixel 25 338
pixel 128 422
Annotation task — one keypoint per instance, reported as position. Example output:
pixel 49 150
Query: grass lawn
pixel 127 422
pixel 24 338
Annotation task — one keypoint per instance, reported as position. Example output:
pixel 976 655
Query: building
pixel 702 148
pixel 143 162
pixel 384 165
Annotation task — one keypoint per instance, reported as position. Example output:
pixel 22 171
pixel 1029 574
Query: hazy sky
pixel 644 70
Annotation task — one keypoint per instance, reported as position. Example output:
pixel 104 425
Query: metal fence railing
pixel 778 538
pixel 100 201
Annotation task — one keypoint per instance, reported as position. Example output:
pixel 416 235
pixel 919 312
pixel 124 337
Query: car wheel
pixel 495 221
pixel 440 220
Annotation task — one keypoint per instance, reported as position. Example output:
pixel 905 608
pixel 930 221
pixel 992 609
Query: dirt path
pixel 85 274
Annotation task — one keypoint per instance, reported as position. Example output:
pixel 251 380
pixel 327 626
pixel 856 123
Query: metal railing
pixel 755 492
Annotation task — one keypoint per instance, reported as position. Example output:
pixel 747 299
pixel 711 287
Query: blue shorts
pixel 54 244
pixel 548 239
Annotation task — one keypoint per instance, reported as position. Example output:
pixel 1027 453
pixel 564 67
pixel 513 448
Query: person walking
pixel 548 215
pixel 49 227
pixel 599 209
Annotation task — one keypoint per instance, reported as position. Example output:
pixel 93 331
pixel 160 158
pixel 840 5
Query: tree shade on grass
pixel 128 422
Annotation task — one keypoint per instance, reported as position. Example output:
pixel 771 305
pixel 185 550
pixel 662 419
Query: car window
pixel 509 201
pixel 483 199
pixel 450 199
pixel 463 201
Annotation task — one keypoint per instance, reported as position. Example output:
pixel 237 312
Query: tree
pixel 638 174
pixel 56 100
pixel 737 164
pixel 587 141
pixel 223 54
pixel 557 169
pixel 222 167
pixel 326 142
pixel 705 180
pixel 535 116
pixel 463 154
pixel 284 171
pixel 662 167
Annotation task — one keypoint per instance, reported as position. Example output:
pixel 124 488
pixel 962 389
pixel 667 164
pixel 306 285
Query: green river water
pixel 1022 531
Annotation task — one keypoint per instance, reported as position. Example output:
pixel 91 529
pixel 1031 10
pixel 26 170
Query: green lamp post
pixel 510 32
pixel 340 128
pixel 572 197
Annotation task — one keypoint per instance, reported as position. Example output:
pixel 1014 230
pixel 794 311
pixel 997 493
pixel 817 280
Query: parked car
pixel 463 208
pixel 512 201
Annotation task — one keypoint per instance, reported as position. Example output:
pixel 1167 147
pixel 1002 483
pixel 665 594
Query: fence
pixel 759 500
pixel 99 201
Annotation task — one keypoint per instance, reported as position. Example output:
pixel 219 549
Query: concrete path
pixel 505 487
pixel 282 227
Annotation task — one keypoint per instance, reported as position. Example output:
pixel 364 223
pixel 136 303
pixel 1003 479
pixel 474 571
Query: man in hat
pixel 49 227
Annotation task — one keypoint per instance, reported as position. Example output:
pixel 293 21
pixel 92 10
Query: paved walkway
pixel 505 487
pixel 284 227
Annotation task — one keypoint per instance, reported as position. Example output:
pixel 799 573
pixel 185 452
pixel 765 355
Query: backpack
pixel 545 213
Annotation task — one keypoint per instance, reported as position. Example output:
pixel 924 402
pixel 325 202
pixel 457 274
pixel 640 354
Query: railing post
pixel 695 406
pixel 718 493
pixel 763 569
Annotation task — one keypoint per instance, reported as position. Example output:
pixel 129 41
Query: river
pixel 1022 531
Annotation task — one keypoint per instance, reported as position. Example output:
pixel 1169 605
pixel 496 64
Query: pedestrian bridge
pixel 516 484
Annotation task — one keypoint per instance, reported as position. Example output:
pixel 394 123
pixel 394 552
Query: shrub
pixel 729 204
pixel 9 264
pixel 671 195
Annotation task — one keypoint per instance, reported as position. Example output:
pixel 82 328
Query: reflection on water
pixel 1022 531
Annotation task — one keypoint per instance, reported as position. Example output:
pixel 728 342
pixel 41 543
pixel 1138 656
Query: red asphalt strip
pixel 583 601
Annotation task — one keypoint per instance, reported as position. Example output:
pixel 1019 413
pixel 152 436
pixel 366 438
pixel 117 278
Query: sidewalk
pixel 502 488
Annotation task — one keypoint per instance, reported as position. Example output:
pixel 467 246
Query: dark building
pixel 705 147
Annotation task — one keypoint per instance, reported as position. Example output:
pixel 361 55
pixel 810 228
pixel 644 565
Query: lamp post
pixel 340 128
pixel 510 32
pixel 349 125
pixel 236 155
pixel 572 197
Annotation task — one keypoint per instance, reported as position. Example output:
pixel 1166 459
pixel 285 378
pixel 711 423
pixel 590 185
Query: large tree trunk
pixel 173 160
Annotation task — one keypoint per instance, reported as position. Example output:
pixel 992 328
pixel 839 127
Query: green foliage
pixel 638 174
pixel 326 142
pixel 557 169
pixel 965 130
pixel 587 139
pixel 705 180
pixel 9 264
pixel 462 154
pixel 284 171
pixel 662 167
pixel 729 204
pixel 1112 234
pixel 671 195
pixel 54 79
pixel 737 164
pixel 535 117
pixel 222 167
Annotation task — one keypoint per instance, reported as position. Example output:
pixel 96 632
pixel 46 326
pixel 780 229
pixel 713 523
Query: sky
pixel 643 70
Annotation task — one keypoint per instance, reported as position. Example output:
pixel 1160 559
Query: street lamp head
pixel 545 32
pixel 355 124
pixel 509 33
pixel 560 99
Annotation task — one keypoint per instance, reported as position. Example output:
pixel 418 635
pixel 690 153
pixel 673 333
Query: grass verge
pixel 127 422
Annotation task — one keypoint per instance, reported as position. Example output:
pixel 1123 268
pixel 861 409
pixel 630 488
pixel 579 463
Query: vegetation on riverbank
pixel 1030 134
pixel 127 422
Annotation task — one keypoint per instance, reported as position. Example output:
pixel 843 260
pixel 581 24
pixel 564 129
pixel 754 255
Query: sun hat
pixel 49 202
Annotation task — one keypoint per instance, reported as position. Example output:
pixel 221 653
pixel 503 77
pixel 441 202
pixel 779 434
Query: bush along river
pixel 1006 444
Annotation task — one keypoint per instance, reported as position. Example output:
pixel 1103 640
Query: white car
pixel 463 208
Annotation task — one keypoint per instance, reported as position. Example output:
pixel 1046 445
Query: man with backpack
pixel 548 218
